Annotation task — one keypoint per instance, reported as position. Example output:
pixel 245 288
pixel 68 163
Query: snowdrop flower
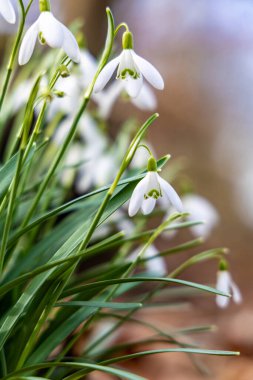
pixel 200 208
pixel 156 265
pixel 131 70
pixel 88 67
pixel 50 31
pixel 66 104
pixel 151 189
pixel 145 100
pixel 7 11
pixel 226 284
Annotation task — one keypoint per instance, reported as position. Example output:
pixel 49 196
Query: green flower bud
pixel 59 94
pixel 127 40
pixel 64 71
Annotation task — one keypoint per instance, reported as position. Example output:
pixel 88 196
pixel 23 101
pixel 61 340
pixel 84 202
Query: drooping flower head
pixel 151 189
pixel 7 11
pixel 131 70
pixel 49 31
pixel 226 284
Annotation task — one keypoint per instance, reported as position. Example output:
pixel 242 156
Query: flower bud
pixel 64 71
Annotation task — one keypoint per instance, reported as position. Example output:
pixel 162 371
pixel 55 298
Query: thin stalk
pixel 125 162
pixel 14 50
pixel 72 131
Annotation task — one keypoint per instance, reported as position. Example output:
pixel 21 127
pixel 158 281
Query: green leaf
pixel 103 284
pixel 95 367
pixel 100 304
pixel 171 350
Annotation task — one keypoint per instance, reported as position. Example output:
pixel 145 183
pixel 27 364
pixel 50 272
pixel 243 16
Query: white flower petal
pixel 222 301
pixel 88 67
pixel 149 72
pixel 156 265
pixel 148 205
pixel 171 194
pixel 7 11
pixel 236 294
pixel 133 86
pixel 223 284
pixel 137 197
pixel 146 99
pixel 201 209
pixel 105 74
pixel 107 98
pixel 28 44
pixel 70 45
pixel 51 29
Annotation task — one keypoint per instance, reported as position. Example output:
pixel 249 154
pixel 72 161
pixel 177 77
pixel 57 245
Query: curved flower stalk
pixel 7 11
pixel 131 70
pixel 226 284
pixel 49 31
pixel 151 189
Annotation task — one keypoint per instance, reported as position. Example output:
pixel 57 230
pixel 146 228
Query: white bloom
pixel 72 160
pixel 71 94
pixel 145 100
pixel 200 209
pixel 150 189
pixel 131 70
pixel 88 67
pixel 53 33
pixel 156 265
pixel 7 11
pixel 226 284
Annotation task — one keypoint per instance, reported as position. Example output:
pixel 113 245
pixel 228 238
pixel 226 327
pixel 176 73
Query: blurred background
pixel 204 50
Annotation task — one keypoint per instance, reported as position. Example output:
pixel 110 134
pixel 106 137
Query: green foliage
pixel 60 276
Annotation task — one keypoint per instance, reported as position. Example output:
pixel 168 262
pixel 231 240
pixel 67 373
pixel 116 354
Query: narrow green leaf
pixel 103 284
pixel 98 304
pixel 95 367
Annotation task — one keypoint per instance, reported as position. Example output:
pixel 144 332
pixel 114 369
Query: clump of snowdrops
pixel 75 254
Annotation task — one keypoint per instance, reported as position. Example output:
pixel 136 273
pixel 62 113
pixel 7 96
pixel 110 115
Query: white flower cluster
pixel 93 147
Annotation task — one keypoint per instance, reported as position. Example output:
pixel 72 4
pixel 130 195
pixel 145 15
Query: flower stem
pixel 14 50
pixel 70 136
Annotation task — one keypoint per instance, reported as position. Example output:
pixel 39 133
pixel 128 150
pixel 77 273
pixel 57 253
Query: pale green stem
pixel 126 161
pixel 74 125
pixel 14 50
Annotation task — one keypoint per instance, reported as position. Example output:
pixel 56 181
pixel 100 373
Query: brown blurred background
pixel 204 50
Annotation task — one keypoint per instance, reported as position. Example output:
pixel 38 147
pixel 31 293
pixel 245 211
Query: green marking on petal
pixel 42 39
pixel 154 193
